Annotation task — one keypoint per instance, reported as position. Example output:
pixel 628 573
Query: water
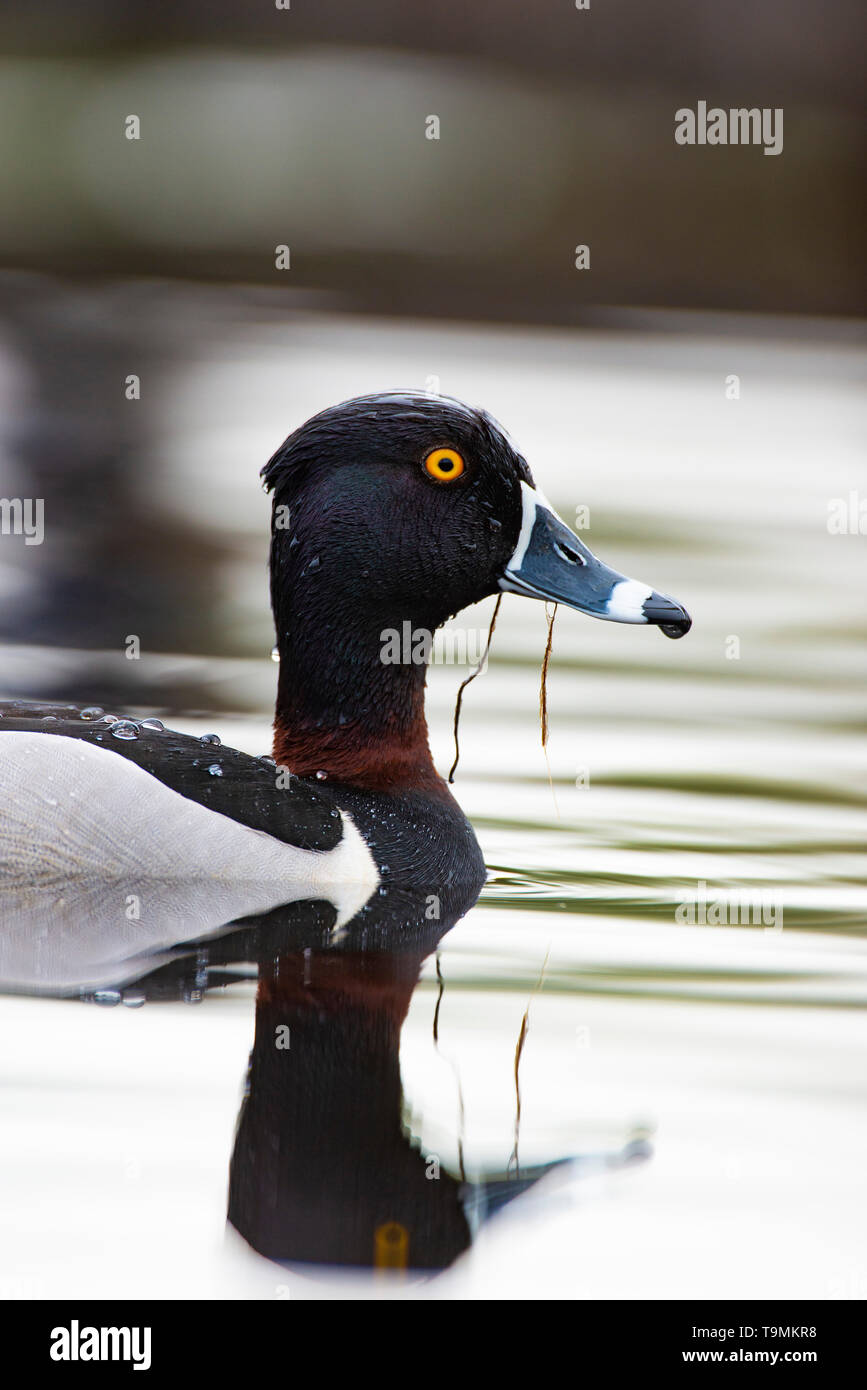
pixel 725 769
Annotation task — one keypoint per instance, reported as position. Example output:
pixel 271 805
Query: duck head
pixel 395 509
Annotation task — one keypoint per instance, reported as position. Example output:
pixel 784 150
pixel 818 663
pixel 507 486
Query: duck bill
pixel 550 562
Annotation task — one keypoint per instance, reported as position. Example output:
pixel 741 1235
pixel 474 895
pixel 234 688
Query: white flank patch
pixel 83 831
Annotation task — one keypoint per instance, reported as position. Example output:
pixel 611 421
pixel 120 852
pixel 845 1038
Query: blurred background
pixel 699 389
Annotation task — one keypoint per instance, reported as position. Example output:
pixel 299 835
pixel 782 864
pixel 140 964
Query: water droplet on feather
pixel 107 997
pixel 125 729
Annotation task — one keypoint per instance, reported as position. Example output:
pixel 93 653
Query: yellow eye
pixel 444 465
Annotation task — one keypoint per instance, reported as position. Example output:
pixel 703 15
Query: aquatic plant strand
pixel 471 677
pixel 543 689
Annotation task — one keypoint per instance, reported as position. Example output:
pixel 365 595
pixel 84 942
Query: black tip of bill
pixel 670 617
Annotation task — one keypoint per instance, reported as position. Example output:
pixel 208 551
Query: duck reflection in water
pixel 323 1168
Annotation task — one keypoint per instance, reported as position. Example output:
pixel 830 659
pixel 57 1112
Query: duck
pixel 387 509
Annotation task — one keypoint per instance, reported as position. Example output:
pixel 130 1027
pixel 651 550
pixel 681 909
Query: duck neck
pixel 350 704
